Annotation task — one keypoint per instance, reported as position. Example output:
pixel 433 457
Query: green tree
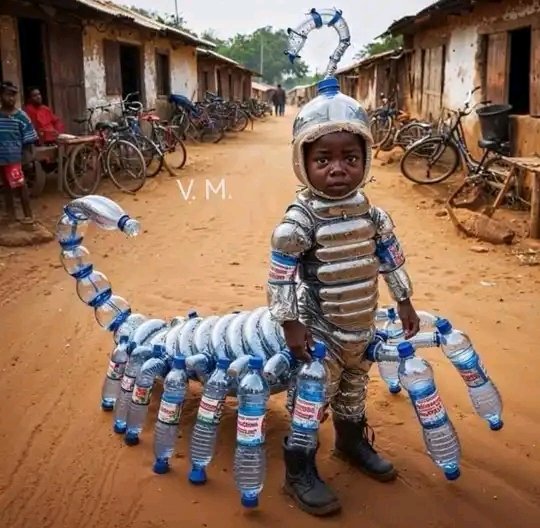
pixel 264 49
pixel 380 45
pixel 167 19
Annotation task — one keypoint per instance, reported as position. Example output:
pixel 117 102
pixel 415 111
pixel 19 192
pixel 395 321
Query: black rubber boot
pixel 354 443
pixel 303 484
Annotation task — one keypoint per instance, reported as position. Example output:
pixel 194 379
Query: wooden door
pixel 433 82
pixel 497 67
pixel 535 72
pixel 67 73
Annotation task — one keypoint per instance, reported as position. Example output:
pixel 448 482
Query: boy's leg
pixel 354 437
pixel 302 480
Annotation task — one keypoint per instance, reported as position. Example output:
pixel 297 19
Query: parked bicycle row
pixel 127 143
pixel 433 152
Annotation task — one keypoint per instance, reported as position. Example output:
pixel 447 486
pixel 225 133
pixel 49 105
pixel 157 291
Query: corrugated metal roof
pixel 373 58
pixel 115 10
pixel 219 57
pixel 441 6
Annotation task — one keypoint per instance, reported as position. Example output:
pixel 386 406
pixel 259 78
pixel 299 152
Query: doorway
pixel 520 70
pixel 130 67
pixel 33 56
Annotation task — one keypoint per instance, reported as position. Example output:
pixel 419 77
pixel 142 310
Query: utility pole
pixel 262 56
pixel 176 11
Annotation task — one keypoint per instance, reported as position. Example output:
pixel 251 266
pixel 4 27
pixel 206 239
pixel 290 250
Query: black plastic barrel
pixel 495 122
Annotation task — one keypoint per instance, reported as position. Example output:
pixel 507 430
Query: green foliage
pixel 246 49
pixel 168 19
pixel 291 82
pixel 387 43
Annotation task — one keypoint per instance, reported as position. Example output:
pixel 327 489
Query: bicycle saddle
pixel 103 125
pixel 493 144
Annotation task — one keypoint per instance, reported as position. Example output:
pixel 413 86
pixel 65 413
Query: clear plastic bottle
pixel 442 442
pixel 170 411
pixel 135 362
pixel 279 365
pixel 115 372
pixel 249 457
pixel 204 435
pixel 310 401
pixel 104 213
pixel 483 393
pixel 142 392
pixel 388 370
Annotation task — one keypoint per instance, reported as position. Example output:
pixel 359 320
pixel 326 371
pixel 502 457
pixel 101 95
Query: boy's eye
pixel 352 159
pixel 322 161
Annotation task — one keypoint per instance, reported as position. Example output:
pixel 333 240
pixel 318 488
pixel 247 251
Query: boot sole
pixel 322 511
pixel 389 476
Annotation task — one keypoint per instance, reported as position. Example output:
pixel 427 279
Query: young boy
pixel 17 138
pixel 327 254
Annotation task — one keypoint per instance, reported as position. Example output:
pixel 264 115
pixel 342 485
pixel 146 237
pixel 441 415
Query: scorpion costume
pixel 327 254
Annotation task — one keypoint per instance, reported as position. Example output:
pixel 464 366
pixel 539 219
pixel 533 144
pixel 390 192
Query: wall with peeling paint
pixel 464 68
pixel 182 60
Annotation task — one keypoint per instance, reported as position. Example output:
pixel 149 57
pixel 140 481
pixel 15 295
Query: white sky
pixel 366 19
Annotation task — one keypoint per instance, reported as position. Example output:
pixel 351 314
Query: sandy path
pixel 63 467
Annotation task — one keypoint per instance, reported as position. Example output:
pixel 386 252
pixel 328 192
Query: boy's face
pixel 335 163
pixel 8 98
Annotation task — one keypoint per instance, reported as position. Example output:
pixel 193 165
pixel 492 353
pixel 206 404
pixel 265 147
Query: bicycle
pixel 448 150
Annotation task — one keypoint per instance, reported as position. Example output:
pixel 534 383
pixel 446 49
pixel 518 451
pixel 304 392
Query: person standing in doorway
pixel 17 139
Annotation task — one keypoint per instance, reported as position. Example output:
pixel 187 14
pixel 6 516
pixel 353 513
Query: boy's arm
pixel 290 239
pixel 391 256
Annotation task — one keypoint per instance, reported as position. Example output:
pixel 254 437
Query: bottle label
pixel 141 395
pixel 169 413
pixel 307 413
pixel 473 372
pixel 429 408
pixel 251 426
pixel 127 383
pixel 210 410
pixel 116 370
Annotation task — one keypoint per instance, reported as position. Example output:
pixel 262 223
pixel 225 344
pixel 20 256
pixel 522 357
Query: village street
pixel 63 467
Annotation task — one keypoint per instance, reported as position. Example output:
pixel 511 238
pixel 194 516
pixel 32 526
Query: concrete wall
pixel 464 66
pixel 183 65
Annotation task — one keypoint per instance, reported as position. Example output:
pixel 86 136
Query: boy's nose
pixel 336 169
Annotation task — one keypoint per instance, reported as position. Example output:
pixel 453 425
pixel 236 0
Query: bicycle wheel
pixel 432 160
pixel 175 151
pixel 241 122
pixel 381 129
pixel 82 171
pixel 411 133
pixel 212 133
pixel 125 165
pixel 153 158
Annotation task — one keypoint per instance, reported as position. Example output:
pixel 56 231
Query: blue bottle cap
pixel 496 426
pixel 179 362
pixel 192 314
pixel 405 349
pixel 328 86
pixel 391 313
pixel 453 474
pixel 158 350
pixel 249 501
pixel 382 334
pixel 197 475
pixel 255 362
pixel 223 363
pixel 161 466
pixel 124 339
pixel 319 352
pixel 443 326
pixel 131 438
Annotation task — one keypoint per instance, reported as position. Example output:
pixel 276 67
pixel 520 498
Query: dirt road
pixel 63 467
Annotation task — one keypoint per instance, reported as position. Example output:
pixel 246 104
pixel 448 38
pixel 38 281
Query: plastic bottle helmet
pixel 331 111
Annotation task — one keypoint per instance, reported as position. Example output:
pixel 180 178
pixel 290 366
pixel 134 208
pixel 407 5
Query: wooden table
pixel 532 165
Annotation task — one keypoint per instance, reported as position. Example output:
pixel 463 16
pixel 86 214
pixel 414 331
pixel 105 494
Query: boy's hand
pixel 298 339
pixel 409 318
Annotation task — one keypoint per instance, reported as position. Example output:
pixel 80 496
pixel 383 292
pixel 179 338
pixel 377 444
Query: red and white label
pixel 169 413
pixel 307 414
pixel 127 383
pixel 431 408
pixel 250 430
pixel 210 410
pixel 115 371
pixel 141 395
